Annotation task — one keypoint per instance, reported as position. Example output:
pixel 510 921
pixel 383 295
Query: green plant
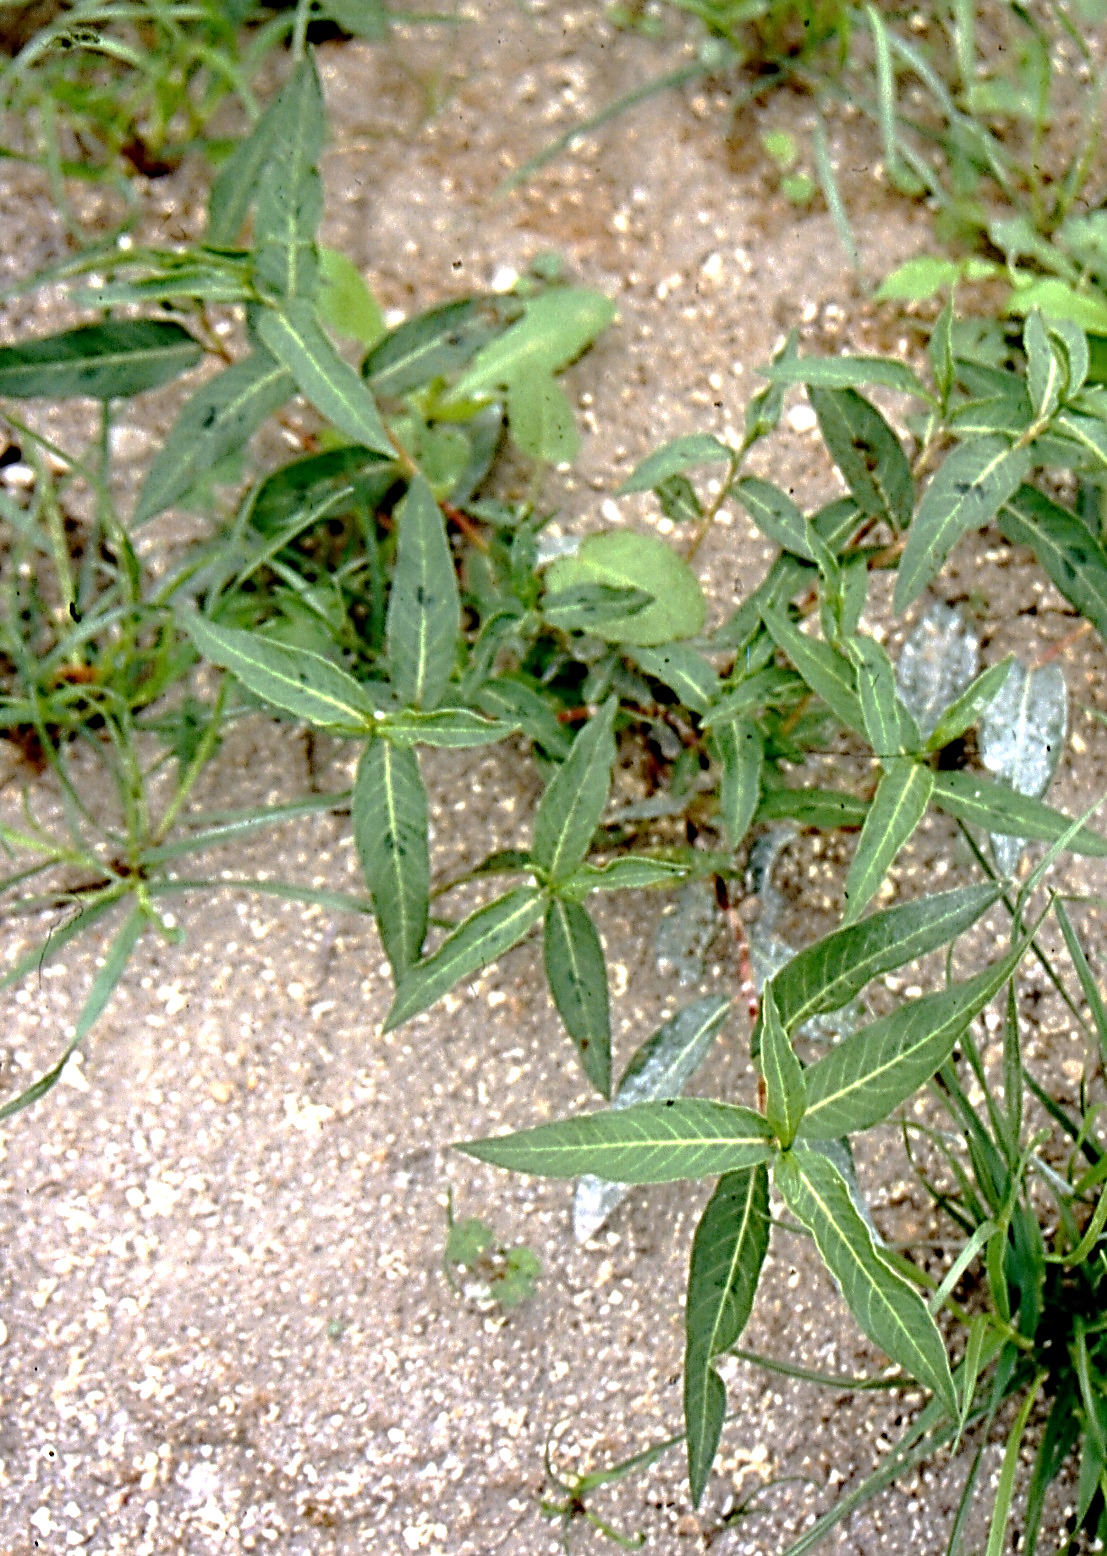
pixel 378 591
pixel 503 1276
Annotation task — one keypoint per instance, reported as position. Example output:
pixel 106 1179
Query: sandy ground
pixel 225 1325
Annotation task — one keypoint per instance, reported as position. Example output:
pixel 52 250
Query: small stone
pixel 221 1091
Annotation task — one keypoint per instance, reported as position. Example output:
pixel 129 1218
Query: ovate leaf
pixel 390 832
pixel 110 361
pixel 541 419
pixel 480 939
pixel 292 679
pixel 322 376
pixel 577 976
pixel 965 493
pixel 785 1090
pixel 885 1305
pixel 871 1072
pixel 424 607
pixel 222 415
pixel 570 810
pixel 626 560
pixel 825 976
pixel 344 301
pixel 898 806
pixel 655 1142
pixel 727 1254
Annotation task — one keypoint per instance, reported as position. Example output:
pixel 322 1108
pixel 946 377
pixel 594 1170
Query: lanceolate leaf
pixel 673 459
pixel 786 1093
pixel 108 361
pixel 556 327
pixel 868 1074
pixel 577 977
pixel 424 608
pixel 1074 559
pixel 290 190
pixel 777 516
pixel 827 975
pixel 655 1142
pixel 322 376
pixel 867 452
pixel 965 493
pixel 983 802
pixel 898 807
pixel 453 728
pixel 682 670
pixel 293 679
pixel 484 935
pixel 828 674
pixel 742 752
pixel 845 372
pixel 888 1309
pixel 824 808
pixel 570 810
pixel 221 416
pixel 727 1254
pixel 433 344
pixel 967 709
pixel 390 831
pixel 234 189
pixel 889 725
pixel 631 872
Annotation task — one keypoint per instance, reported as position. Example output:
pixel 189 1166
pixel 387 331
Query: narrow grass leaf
pixel 389 815
pixel 885 1305
pixel 653 1142
pixel 869 1074
pixel 728 1251
pixel 898 806
pixel 1088 985
pixel 785 1090
pixel 424 607
pixel 220 418
pixel 323 378
pixel 1074 558
pixel 986 803
pixel 290 189
pixel 741 751
pixel 570 810
pixel 698 448
pixel 577 975
pixel 828 673
pixel 292 679
pixel 1005 1488
pixel 965 493
pixel 867 452
pixel 109 361
pixel 479 940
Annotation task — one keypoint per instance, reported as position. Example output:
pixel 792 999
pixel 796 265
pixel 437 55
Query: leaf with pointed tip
pixel 898 806
pixel 389 811
pixel 632 872
pixel 1045 374
pixel 478 940
pixel 541 418
pixel 236 185
pixel 452 728
pixel 742 753
pixel 785 1089
pixel 998 808
pixel 828 673
pixel 592 607
pixel 870 1073
pixel 292 679
pixel 822 808
pixel 772 687
pixel 727 1254
pixel 577 975
pixel 424 607
pixel 221 416
pixel 555 328
pixel 889 725
pixel 570 810
pixel 827 975
pixel 867 452
pixel 433 344
pixel 321 375
pixel 845 372
pixel 626 560
pixel 778 517
pixel 885 1305
pixel 290 190
pixel 109 361
pixel 653 1142
pixel 519 703
pixel 699 448
pixel 966 710
pixel 682 670
pixel 1073 557
pixel 965 493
